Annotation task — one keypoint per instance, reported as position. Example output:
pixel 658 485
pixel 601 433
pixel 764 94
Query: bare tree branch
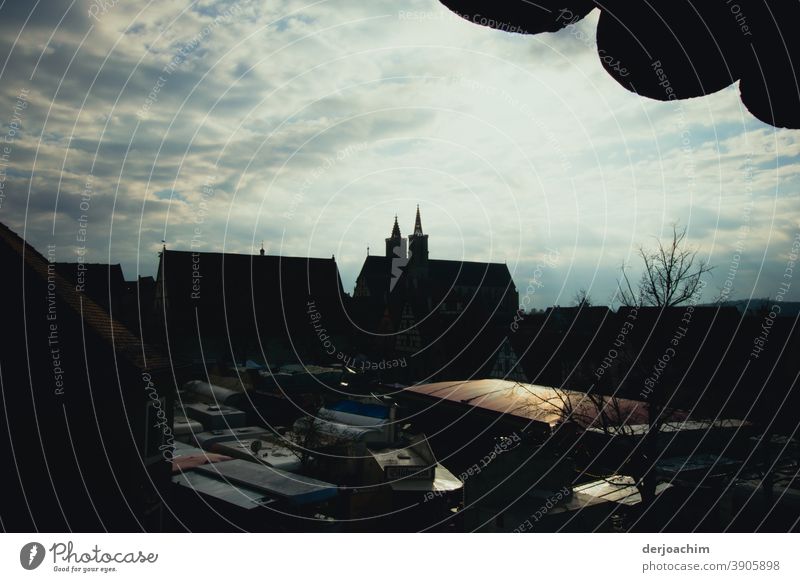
pixel 673 274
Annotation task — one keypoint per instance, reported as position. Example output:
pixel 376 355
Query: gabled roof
pixel 307 276
pixel 125 344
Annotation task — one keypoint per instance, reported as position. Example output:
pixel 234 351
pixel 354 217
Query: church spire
pixel 418 223
pixel 396 228
pixel 418 246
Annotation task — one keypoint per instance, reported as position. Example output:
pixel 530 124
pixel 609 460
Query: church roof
pixel 377 269
pixel 470 273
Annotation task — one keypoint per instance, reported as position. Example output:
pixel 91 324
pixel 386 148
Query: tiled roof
pixel 125 344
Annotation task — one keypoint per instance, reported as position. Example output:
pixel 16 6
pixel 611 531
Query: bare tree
pixel 314 440
pixel 582 298
pixel 673 274
pixel 631 429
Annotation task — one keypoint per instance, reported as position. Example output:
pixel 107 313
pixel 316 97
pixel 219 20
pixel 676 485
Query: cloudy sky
pixel 309 125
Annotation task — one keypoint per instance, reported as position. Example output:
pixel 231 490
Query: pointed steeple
pixel 418 247
pixel 418 223
pixel 396 228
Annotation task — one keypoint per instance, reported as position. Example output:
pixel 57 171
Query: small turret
pixel 394 244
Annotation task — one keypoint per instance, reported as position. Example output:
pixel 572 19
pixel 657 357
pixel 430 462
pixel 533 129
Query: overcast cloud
pixel 309 125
